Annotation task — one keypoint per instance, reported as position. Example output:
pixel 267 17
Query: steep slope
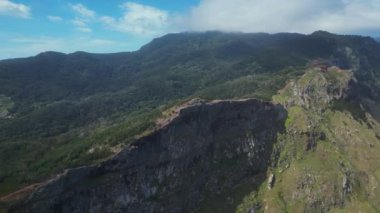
pixel 76 109
pixel 327 160
pixel 315 150
pixel 209 148
pixel 59 111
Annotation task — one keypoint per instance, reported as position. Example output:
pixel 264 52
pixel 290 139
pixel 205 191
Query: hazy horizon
pixel 76 51
pixel 31 26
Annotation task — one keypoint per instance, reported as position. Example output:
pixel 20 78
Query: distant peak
pixel 50 53
pixel 321 33
pixel 79 53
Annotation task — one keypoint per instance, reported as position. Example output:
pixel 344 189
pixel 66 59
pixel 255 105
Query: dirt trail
pixel 20 193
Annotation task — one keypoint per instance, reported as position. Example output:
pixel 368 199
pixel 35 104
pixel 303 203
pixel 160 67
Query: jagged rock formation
pixel 209 148
pixel 325 161
pixel 317 88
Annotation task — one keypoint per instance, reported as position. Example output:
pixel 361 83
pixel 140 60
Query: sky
pixel 28 27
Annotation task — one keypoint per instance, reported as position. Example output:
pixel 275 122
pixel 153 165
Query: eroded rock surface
pixel 208 147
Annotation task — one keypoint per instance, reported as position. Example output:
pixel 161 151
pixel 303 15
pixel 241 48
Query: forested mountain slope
pixel 65 110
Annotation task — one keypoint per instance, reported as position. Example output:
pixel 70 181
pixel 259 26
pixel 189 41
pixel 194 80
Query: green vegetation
pixel 81 108
pixel 312 180
pixel 70 110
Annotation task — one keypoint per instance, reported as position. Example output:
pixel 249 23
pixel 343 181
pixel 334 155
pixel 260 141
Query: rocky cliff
pixel 314 148
pixel 206 151
pixel 319 152
pixel 327 159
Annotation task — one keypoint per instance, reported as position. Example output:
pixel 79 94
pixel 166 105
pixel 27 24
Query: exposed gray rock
pixel 346 185
pixel 255 208
pixel 5 105
pixel 271 181
pixel 312 138
pixel 208 147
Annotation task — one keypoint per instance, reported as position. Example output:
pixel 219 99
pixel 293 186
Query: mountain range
pixel 212 122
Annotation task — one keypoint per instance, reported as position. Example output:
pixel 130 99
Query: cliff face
pixel 327 159
pixel 208 149
pixel 314 148
pixel 62 111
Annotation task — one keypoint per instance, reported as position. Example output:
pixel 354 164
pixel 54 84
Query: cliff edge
pixel 207 149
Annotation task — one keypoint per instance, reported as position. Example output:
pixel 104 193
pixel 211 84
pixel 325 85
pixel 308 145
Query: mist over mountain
pixel 302 133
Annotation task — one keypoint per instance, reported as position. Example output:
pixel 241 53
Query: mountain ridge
pixel 167 37
pixel 309 97
pixel 124 162
pixel 59 111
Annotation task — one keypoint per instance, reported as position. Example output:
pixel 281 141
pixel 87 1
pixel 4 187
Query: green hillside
pixel 66 110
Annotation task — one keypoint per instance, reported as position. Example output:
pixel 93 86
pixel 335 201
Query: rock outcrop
pixel 317 88
pixel 5 105
pixel 207 147
pixel 326 158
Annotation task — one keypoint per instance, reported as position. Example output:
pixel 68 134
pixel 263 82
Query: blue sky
pixel 28 27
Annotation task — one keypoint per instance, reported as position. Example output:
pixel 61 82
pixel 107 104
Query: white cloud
pixel 10 8
pixel 83 11
pixel 81 25
pixel 108 20
pixel 84 29
pixel 54 18
pixel 139 19
pixel 303 16
pixel 84 17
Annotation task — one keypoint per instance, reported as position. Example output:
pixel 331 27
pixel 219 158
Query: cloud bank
pixel 304 16
pixel 139 19
pixel 10 8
